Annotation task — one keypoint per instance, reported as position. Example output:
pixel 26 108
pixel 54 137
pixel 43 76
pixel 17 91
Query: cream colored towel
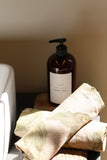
pixel 46 137
pixel 90 137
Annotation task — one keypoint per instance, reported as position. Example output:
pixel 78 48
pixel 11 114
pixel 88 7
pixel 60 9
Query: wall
pixel 26 26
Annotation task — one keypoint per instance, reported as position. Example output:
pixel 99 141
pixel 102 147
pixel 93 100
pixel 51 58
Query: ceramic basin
pixel 7 107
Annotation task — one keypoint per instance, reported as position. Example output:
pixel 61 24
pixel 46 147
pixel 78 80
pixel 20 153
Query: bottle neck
pixel 61 54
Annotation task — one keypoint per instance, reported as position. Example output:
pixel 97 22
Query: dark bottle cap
pixel 61 49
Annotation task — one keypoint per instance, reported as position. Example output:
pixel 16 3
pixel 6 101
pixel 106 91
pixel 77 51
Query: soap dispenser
pixel 61 69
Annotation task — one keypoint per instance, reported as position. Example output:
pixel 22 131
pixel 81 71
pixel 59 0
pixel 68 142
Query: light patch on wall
pixel 32 19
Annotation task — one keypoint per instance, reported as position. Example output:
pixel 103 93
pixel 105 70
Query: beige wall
pixel 27 25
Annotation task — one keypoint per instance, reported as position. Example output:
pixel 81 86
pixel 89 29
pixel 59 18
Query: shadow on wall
pixel 86 40
pixel 28 57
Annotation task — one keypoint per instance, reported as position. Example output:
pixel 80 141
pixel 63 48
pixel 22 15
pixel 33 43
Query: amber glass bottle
pixel 61 69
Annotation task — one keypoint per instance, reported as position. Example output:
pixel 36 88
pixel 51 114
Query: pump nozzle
pixel 61 49
pixel 61 40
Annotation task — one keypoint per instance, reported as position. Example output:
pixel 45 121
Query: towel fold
pixel 68 154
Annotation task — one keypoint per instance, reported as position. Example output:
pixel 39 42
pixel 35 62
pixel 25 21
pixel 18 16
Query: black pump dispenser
pixel 61 49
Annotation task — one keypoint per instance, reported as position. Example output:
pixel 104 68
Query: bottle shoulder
pixel 68 57
pixel 61 64
pixel 51 58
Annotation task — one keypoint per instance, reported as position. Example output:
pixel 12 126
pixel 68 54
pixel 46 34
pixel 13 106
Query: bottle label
pixel 60 87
